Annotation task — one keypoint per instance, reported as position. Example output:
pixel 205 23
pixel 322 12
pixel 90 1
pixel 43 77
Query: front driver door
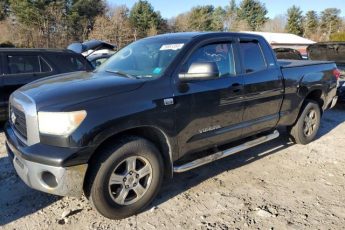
pixel 208 111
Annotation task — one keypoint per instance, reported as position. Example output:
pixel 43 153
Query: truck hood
pixel 73 88
pixel 327 51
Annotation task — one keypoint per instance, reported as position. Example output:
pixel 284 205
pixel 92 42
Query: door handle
pixel 236 87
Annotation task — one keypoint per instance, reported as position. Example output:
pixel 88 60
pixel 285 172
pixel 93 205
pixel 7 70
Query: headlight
pixel 60 123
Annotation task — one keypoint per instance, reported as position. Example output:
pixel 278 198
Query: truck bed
pixel 300 63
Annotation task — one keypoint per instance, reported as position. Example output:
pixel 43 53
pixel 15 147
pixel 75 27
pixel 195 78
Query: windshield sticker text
pixel 172 46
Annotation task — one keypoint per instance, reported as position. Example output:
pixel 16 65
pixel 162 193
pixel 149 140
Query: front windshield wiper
pixel 123 74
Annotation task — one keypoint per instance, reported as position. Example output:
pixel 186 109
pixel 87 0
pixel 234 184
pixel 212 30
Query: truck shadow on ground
pixel 2 125
pixel 184 181
pixel 17 199
pixel 331 119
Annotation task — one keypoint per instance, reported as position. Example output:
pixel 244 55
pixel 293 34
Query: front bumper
pixel 58 180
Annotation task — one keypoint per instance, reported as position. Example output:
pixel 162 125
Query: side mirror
pixel 200 71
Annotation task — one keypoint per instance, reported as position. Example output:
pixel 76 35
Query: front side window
pixel 219 53
pixel 23 64
pixel 146 58
pixel 252 56
pixel 70 63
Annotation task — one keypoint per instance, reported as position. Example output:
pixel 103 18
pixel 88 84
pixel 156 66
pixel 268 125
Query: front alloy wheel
pixel 125 178
pixel 130 180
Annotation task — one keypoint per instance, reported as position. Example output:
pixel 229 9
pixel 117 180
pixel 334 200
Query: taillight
pixel 336 74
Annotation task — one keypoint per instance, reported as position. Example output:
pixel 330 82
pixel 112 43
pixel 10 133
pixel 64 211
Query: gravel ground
pixel 277 185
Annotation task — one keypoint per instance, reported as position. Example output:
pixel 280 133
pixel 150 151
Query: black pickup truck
pixel 153 107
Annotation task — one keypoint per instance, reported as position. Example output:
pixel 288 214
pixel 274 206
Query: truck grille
pixel 18 121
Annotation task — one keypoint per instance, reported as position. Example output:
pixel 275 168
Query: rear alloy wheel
pixel 308 123
pixel 125 178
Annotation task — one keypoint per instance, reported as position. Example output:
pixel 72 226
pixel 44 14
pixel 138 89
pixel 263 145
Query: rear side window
pixel 18 64
pixel 70 63
pixel 252 56
pixel 23 64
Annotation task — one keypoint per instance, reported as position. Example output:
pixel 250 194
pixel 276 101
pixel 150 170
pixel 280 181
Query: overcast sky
pixel 170 8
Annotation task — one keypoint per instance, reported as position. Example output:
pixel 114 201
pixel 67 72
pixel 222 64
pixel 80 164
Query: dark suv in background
pixel 331 51
pixel 21 66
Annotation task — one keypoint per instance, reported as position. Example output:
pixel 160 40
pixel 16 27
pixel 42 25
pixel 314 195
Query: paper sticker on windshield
pixel 172 46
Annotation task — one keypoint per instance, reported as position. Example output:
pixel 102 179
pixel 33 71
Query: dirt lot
pixel 277 185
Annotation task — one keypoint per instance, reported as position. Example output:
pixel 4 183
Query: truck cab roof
pixel 191 35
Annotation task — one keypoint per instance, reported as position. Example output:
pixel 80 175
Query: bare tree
pixel 114 27
pixel 276 25
pixel 180 23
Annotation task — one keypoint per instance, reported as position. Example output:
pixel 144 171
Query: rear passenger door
pixel 263 87
pixel 22 68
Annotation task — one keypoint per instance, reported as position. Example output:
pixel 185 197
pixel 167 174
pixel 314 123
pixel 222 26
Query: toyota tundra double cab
pixel 153 107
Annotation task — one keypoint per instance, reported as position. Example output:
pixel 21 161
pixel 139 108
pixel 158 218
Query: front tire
pixel 126 178
pixel 305 129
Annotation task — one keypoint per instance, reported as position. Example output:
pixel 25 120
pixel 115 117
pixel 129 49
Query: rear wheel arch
pixel 316 95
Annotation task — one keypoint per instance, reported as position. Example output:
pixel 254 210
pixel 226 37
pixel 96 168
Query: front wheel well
pixel 154 135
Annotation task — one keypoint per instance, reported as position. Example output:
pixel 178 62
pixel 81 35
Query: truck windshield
pixel 147 58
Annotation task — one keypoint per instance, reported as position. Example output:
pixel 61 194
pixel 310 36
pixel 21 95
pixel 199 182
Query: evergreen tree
pixel 82 15
pixel 295 21
pixel 311 23
pixel 253 12
pixel 218 18
pixel 144 19
pixel 200 18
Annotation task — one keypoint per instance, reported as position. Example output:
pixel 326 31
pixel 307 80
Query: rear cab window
pixel 252 56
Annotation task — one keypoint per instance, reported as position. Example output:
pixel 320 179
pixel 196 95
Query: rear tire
pixel 126 178
pixel 308 123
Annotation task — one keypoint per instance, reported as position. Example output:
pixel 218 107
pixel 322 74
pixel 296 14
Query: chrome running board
pixel 225 153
